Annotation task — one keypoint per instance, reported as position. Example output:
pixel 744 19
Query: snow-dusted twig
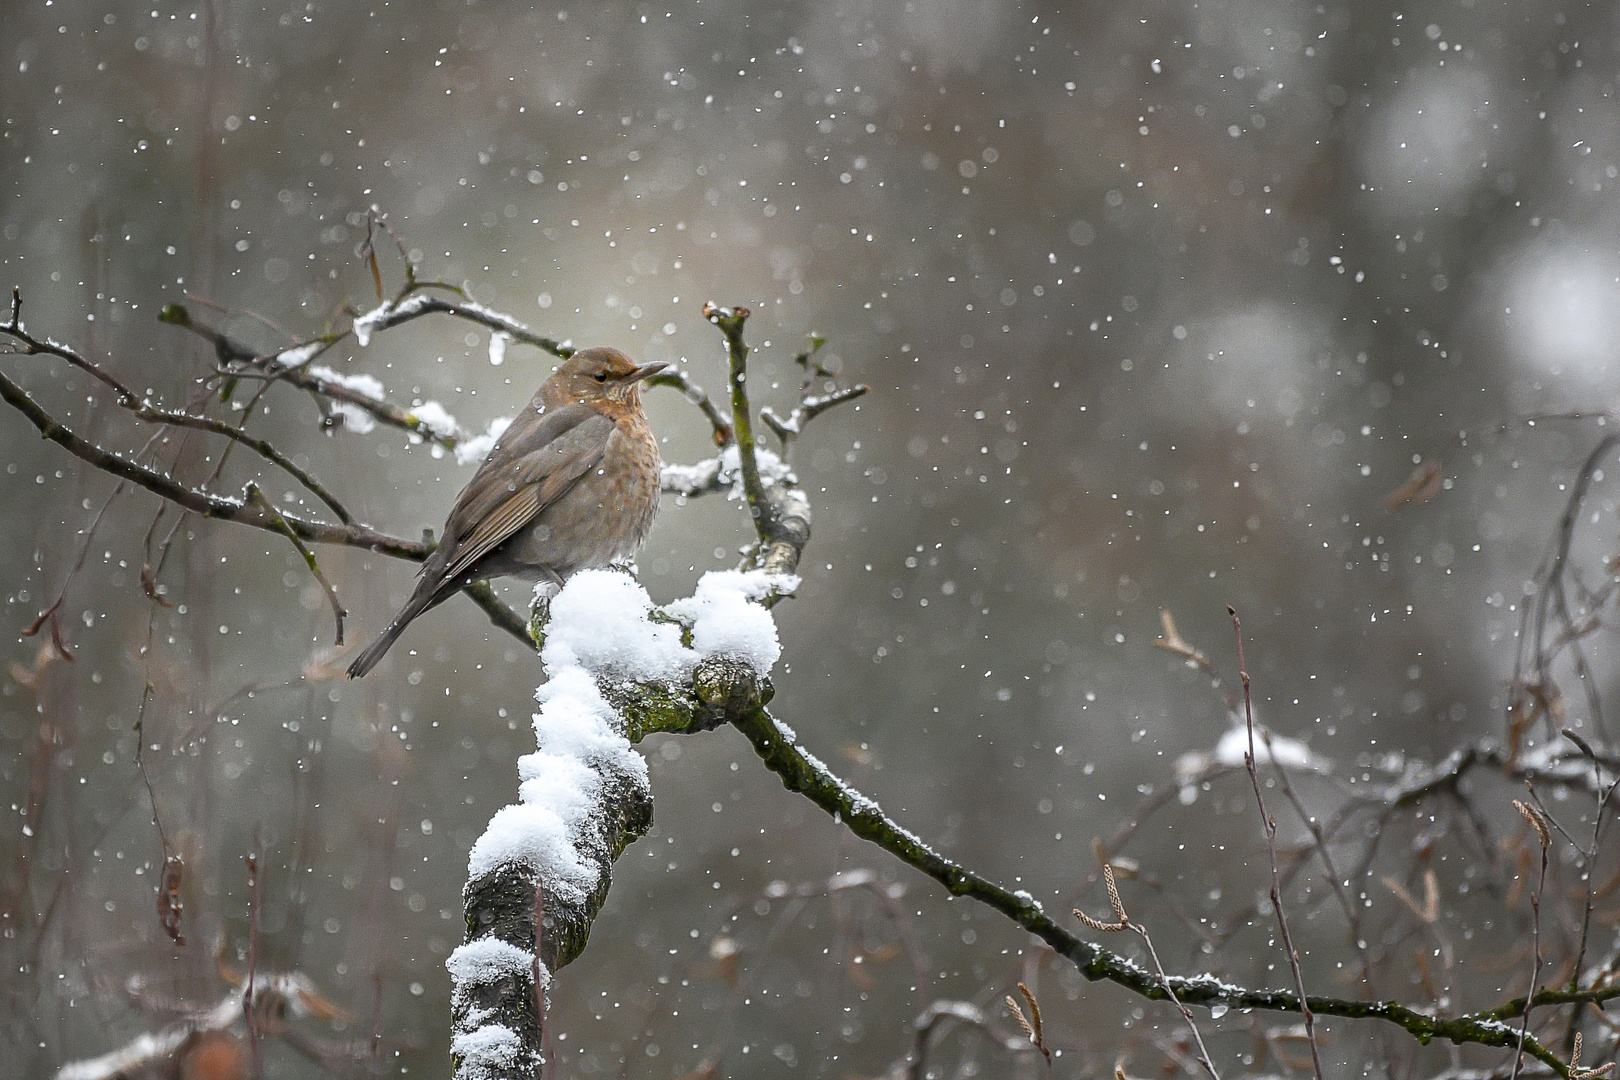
pixel 929 1027
pixel 164 1052
pixel 144 409
pixel 293 366
pixel 807 410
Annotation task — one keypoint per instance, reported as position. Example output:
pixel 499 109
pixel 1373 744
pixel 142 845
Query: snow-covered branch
pixel 616 669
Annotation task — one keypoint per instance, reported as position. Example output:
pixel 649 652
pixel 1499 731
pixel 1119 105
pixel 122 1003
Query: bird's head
pixel 599 375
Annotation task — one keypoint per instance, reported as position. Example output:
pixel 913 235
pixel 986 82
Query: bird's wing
pixel 521 478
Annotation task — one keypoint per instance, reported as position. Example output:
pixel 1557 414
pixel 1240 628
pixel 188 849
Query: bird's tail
pixel 372 653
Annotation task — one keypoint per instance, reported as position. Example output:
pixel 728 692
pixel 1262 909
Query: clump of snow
pixel 533 835
pixel 299 355
pixel 365 385
pixel 497 347
pixel 600 621
pixel 725 471
pixel 482 962
pixel 489 314
pixel 385 314
pixel 365 324
pixel 474 450
pixel 354 417
pixel 690 479
pixel 436 418
pixel 1229 751
pixel 1289 753
pixel 772 470
pixel 487 1051
pixel 600 627
pixel 727 620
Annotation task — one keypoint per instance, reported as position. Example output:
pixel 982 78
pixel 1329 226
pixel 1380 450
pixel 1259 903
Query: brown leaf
pixel 170 908
pixel 153 590
pixel 50 651
pixel 1537 822
pixel 1421 488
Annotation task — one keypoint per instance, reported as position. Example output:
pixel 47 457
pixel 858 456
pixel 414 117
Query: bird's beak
pixel 643 372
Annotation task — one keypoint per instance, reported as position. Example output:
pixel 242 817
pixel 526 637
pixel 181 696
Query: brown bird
pixel 572 484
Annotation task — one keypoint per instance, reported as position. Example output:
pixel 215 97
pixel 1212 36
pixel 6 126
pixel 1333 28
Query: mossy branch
pixel 777 747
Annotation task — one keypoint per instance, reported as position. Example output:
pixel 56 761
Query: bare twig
pixel 143 409
pixel 250 1008
pixel 1122 921
pixel 1538 822
pixel 209 505
pixel 1552 606
pixel 338 611
pixel 1270 827
pixel 1590 853
pixel 694 393
pixel 1352 914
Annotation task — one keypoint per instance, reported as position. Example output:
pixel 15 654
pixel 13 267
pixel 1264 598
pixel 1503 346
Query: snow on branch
pixel 216 1034
pixel 541 871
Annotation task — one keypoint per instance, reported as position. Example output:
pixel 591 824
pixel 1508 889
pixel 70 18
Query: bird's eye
pixel 601 376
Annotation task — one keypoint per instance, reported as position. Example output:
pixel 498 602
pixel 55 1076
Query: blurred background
pixel 1159 303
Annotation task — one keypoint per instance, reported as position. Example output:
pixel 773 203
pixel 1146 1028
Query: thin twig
pixel 250 1007
pixel 78 564
pixel 209 505
pixel 1123 921
pixel 338 610
pixel 1589 856
pixel 1352 914
pixel 1270 827
pixel 1537 821
pixel 730 321
pixel 694 393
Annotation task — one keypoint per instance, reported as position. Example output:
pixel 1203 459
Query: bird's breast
pixel 604 517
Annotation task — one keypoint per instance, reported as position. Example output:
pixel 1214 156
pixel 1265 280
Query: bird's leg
pixel 549 585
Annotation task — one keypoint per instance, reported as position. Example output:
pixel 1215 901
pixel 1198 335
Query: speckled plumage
pixel 572 484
